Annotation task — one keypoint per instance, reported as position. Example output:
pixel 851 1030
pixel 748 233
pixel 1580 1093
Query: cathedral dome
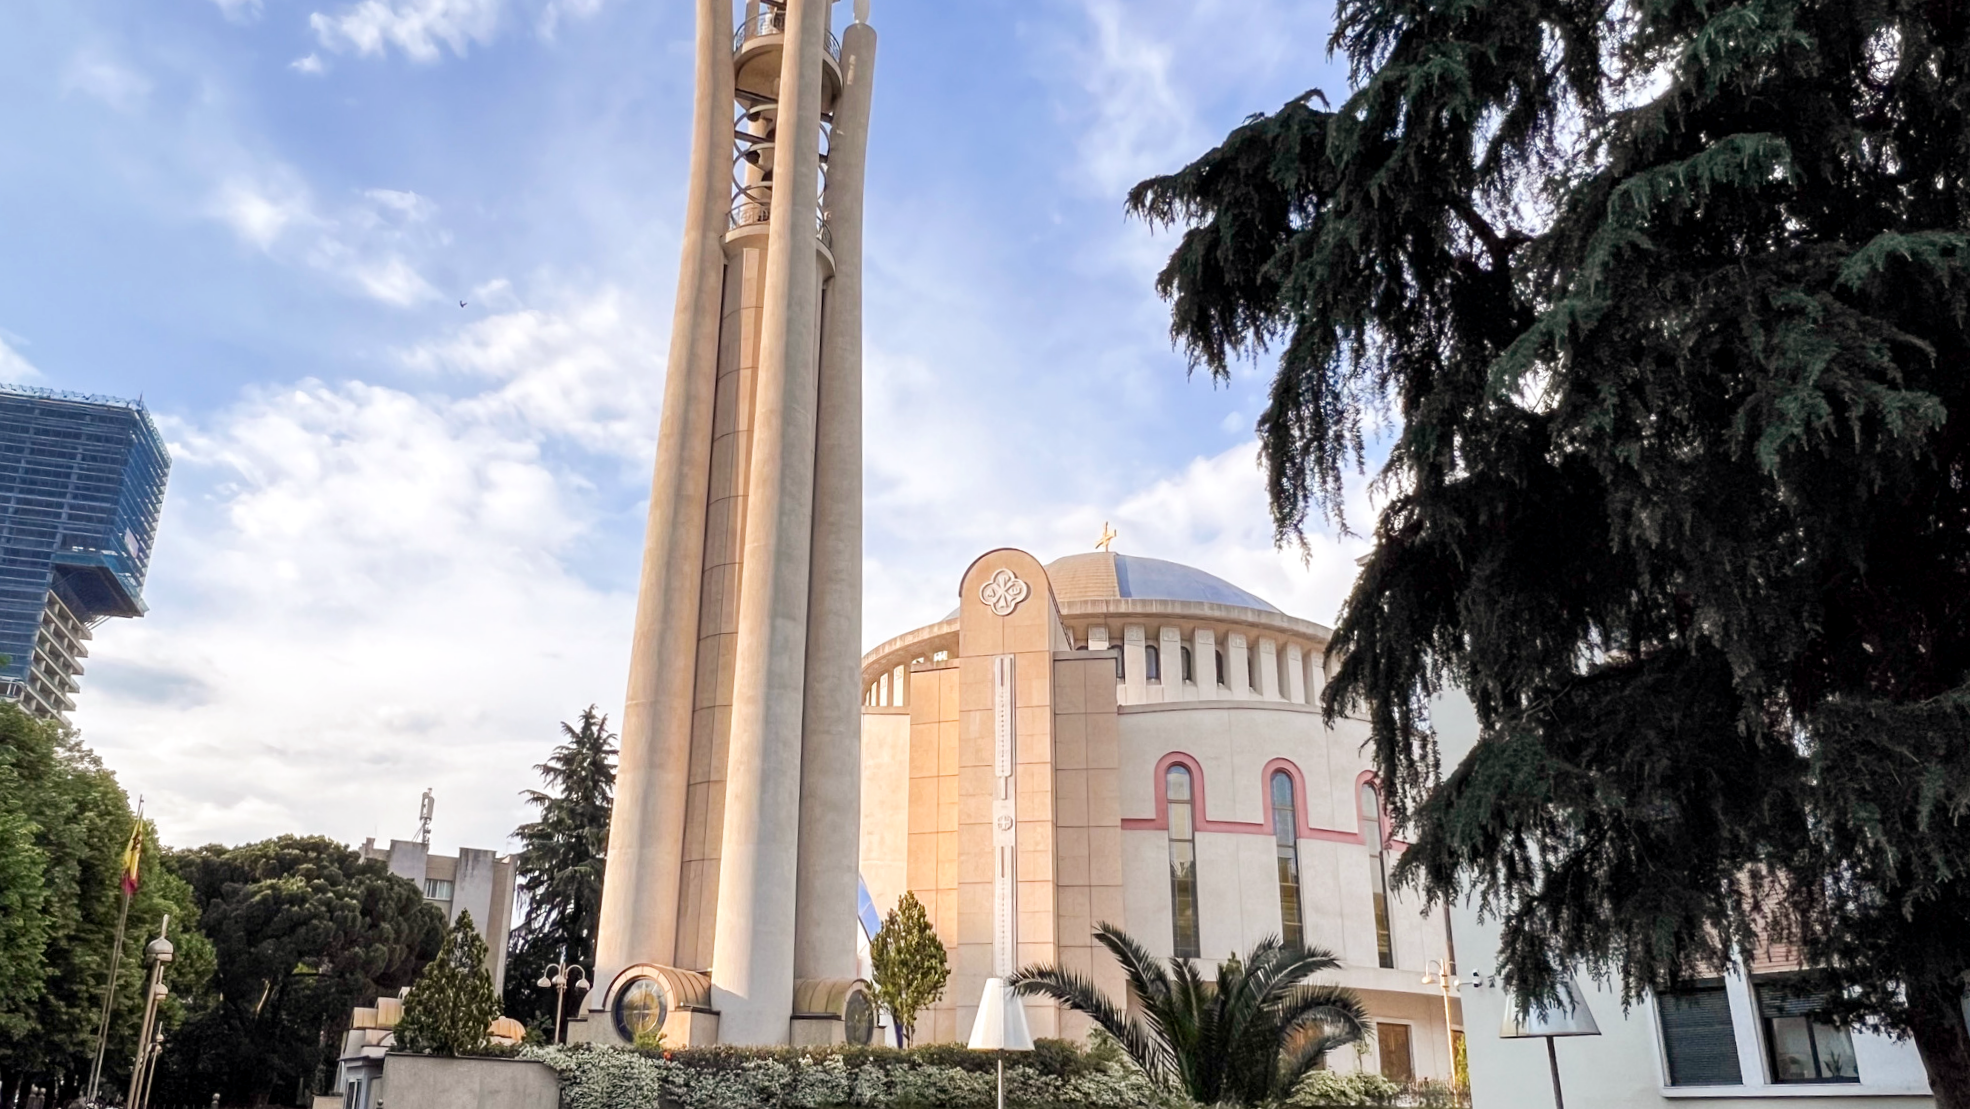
pixel 1103 575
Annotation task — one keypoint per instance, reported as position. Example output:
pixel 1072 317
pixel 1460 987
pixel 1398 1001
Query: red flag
pixel 132 855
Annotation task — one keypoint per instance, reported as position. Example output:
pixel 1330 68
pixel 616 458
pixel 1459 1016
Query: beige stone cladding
pixel 1088 817
pixel 1030 633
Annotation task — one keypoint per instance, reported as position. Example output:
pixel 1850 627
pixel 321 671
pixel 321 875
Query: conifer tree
pixel 909 965
pixel 559 867
pixel 452 1005
pixel 1668 301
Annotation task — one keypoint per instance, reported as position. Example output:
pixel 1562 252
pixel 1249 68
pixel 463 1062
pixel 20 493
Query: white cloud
pixel 552 14
pixel 417 27
pixel 14 367
pixel 240 11
pixel 364 245
pixel 360 591
pixel 260 212
pixel 588 371
pixel 118 86
pixel 311 64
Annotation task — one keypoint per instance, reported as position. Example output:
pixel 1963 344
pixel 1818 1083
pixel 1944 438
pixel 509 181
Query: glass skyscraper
pixel 81 486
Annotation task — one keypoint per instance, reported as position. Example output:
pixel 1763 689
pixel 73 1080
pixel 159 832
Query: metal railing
pixel 773 21
pixel 748 210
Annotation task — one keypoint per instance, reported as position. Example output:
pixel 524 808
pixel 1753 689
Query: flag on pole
pixel 132 855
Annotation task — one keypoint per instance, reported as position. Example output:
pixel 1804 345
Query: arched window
pixel 1286 846
pixel 1189 667
pixel 1221 675
pixel 1152 664
pixel 1378 871
pixel 1183 863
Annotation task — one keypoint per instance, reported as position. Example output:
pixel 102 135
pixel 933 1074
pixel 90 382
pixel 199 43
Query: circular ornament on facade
pixel 858 1019
pixel 640 1009
pixel 1003 592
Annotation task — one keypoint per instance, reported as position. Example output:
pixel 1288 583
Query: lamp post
pixel 1570 1017
pixel 560 972
pixel 1437 973
pixel 1000 1027
pixel 159 953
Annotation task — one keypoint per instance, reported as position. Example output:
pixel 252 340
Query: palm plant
pixel 1245 1038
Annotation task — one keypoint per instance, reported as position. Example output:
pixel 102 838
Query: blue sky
pixel 401 538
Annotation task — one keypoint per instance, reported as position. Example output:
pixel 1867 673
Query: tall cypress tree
pixel 1668 297
pixel 559 866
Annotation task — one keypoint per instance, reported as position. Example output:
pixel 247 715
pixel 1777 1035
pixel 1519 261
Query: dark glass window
pixel 1698 1042
pixel 1220 663
pixel 1183 863
pixel 1152 664
pixel 1799 1044
pixel 1189 667
pixel 1378 873
pixel 1286 846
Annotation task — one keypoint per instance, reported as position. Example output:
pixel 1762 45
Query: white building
pixel 1742 1039
pixel 475 880
pixel 1123 739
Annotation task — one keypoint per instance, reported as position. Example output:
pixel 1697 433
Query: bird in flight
pixel 461 304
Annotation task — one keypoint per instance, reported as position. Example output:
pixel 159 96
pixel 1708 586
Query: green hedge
pixel 1057 1075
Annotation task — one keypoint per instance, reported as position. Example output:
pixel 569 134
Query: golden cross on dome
pixel 1108 535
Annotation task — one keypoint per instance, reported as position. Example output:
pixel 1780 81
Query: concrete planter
pixel 437 1082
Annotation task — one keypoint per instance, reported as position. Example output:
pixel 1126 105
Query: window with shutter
pixel 1698 1040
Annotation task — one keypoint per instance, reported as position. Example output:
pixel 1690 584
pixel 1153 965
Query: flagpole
pixel 115 960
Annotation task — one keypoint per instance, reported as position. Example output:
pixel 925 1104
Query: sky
pixel 401 538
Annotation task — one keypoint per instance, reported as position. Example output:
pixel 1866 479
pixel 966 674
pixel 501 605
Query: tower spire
pixel 732 882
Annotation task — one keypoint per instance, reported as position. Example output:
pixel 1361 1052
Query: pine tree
pixel 909 964
pixel 451 1007
pixel 559 867
pixel 1669 300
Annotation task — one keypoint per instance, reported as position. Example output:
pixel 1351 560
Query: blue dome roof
pixel 1105 576
pixel 1100 575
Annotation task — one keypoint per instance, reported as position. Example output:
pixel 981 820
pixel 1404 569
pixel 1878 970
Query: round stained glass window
pixel 858 1019
pixel 639 1009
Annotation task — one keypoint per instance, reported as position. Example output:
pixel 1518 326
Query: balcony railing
pixel 748 210
pixel 773 21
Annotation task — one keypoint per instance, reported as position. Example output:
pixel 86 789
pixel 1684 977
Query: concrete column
pixel 1268 670
pixel 1098 638
pixel 831 747
pixel 1240 667
pixel 1204 648
pixel 753 951
pixel 1316 676
pixel 1134 674
pixel 1296 686
pixel 646 833
pixel 1170 644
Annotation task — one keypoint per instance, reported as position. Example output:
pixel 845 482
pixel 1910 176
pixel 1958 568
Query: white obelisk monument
pixel 729 903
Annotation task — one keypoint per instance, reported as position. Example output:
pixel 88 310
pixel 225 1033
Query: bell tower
pixel 729 903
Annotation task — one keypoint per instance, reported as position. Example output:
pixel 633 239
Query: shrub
pixel 1057 1075
pixel 1326 1087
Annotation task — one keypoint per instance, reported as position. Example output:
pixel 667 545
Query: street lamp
pixel 559 982
pixel 159 953
pixel 1569 1017
pixel 1437 972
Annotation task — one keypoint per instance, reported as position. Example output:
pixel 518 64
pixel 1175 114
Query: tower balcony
pixel 752 214
pixel 757 47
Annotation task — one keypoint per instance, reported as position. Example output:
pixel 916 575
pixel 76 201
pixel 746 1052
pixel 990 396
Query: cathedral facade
pixel 1110 738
